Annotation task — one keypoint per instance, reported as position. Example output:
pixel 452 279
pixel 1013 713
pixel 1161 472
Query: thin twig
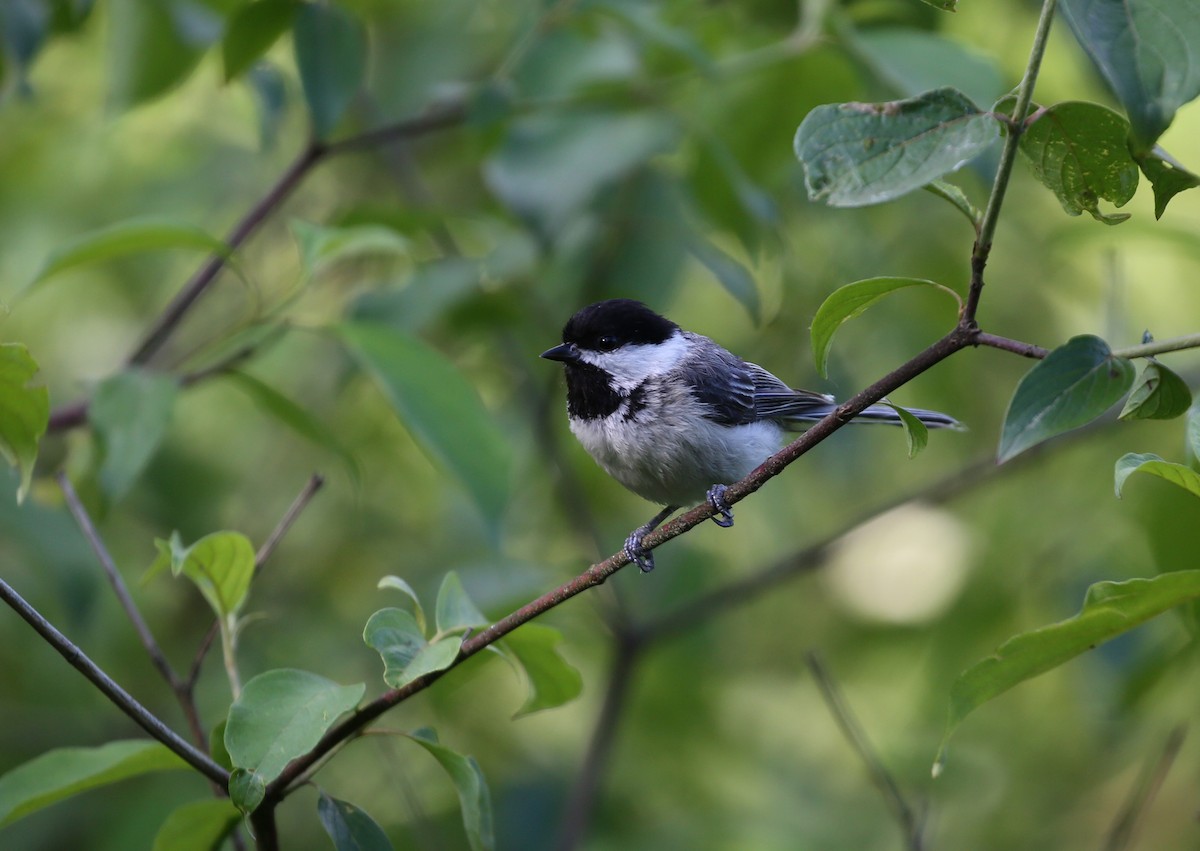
pixel 1142 795
pixel 1017 347
pixel 314 484
pixel 582 800
pixel 120 698
pixel 301 501
pixel 201 653
pixel 880 776
pixel 439 117
pixel 182 689
pixel 1158 347
pixel 1008 156
pixel 118 583
pixel 170 318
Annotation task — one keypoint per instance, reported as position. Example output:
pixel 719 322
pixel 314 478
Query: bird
pixel 674 416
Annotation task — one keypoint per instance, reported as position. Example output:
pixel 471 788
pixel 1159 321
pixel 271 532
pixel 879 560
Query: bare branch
pixel 582 800
pixel 880 776
pixel 118 583
pixel 1142 795
pixel 315 482
pixel 437 118
pixel 1025 350
pixel 206 274
pixel 120 698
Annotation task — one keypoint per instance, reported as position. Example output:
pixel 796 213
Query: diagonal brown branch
pixel 957 339
pixel 437 118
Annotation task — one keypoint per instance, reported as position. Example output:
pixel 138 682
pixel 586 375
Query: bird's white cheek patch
pixel 630 365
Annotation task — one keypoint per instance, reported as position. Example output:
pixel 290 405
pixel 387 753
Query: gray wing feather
pixel 774 400
pixel 736 392
pixel 723 383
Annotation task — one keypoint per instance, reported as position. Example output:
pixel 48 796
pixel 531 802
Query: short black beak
pixel 567 353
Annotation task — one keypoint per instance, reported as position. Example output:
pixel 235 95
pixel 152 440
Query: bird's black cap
pixel 618 320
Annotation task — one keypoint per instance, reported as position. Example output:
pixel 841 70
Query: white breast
pixel 670 453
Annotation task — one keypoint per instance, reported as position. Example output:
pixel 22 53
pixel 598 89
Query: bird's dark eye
pixel 607 343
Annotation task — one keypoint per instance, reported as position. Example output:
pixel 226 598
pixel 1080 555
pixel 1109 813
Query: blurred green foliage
pixel 606 148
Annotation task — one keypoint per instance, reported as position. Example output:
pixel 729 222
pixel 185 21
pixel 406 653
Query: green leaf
pixel 647 22
pixel 1159 394
pixel 24 412
pixel 440 408
pixel 247 789
pixel 550 165
pixel 221 565
pixel 394 634
pixel 296 418
pixel 133 236
pixel 1079 152
pixel 956 197
pixel 269 87
pixel 130 412
pixel 1070 387
pixel 473 795
pixel 732 275
pixel 349 827
pixel 915 431
pixel 913 61
pixel 198 826
pixel 1148 51
pixel 23 30
pixel 331 53
pixel 1109 609
pixel 944 5
pixel 171 554
pixel 322 246
pixel 155 44
pixel 398 584
pixel 866 153
pixel 64 772
pixel 552 681
pixel 281 715
pixel 251 32
pixel 1193 431
pixel 433 288
pixel 1176 474
pixel 454 610
pixel 216 746
pixel 847 302
pixel 1167 177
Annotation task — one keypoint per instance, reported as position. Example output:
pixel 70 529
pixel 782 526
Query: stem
pixel 1142 795
pixel 262 824
pixel 315 482
pixel 437 118
pixel 582 801
pixel 1008 156
pixel 1017 347
pixel 1158 347
pixel 121 698
pixel 229 654
pixel 206 274
pixel 118 584
pixel 854 734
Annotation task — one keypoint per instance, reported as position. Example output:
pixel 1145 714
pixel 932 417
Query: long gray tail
pixel 888 415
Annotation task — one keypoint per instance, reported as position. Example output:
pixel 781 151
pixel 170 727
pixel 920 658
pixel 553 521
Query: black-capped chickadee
pixel 672 416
